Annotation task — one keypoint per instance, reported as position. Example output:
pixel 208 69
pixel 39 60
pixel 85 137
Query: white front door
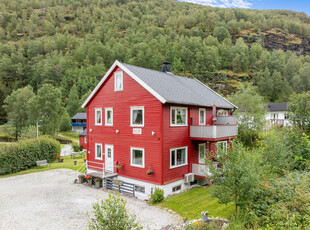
pixel 109 158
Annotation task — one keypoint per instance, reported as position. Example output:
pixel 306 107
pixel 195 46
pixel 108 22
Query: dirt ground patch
pixel 50 200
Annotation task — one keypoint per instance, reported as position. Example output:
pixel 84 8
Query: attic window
pixel 118 84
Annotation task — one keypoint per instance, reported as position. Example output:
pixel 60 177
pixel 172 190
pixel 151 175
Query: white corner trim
pixel 142 83
pixel 216 93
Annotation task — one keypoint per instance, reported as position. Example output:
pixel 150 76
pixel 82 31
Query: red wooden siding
pixel 82 142
pixel 133 94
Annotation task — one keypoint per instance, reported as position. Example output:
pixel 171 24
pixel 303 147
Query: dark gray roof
pixel 79 116
pixel 179 90
pixel 274 107
pixel 83 133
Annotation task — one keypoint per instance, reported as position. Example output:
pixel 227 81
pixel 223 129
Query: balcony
pixel 213 131
pixel 79 124
pixel 200 170
pixel 225 120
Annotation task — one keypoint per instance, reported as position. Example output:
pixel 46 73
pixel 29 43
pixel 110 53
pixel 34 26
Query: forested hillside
pixel 72 43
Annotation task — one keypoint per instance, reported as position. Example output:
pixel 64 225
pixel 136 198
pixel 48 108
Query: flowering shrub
pixel 58 156
pixel 88 177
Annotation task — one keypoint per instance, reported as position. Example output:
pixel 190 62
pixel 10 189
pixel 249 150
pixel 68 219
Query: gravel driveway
pixel 50 200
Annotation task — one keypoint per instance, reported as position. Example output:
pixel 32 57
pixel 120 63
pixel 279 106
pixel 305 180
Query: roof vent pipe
pixel 166 68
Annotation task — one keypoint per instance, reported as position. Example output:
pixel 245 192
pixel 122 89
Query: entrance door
pixel 109 158
pixel 202 153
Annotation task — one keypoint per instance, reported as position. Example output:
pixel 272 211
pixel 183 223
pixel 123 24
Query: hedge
pixel 24 154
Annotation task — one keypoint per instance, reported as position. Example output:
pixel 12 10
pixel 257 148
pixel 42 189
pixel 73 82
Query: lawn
pixel 69 135
pixel 191 202
pixel 68 163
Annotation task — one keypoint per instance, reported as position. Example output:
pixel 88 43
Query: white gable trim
pixel 216 93
pixel 142 83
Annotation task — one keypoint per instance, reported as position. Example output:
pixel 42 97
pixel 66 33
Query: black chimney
pixel 166 67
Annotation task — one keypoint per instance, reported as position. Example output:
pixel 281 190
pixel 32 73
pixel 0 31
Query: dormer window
pixel 118 84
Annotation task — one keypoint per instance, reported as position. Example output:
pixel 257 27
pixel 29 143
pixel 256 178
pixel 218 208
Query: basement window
pixel 176 188
pixel 139 188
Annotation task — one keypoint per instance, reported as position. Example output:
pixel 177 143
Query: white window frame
pixel 175 114
pixel 221 142
pixel 98 158
pixel 131 115
pixel 204 120
pixel 96 110
pixel 106 110
pixel 85 139
pixel 122 78
pixel 202 161
pixel 131 153
pixel 186 156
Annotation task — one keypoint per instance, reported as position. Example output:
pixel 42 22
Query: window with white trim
pixel 108 116
pixel 118 83
pixel 98 151
pixel 202 153
pixel 98 116
pixel 137 116
pixel 137 157
pixel 178 157
pixel 85 139
pixel 202 116
pixel 178 116
pixel 221 147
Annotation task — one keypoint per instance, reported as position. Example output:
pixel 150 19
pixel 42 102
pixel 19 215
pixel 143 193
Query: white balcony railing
pixel 226 120
pixel 213 131
pixel 200 170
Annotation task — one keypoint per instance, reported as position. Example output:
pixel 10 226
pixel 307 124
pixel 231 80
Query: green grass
pixel 69 135
pixel 68 164
pixel 195 200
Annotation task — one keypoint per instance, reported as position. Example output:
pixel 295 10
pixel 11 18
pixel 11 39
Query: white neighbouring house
pixel 277 115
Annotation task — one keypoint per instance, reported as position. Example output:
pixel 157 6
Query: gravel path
pixel 50 200
pixel 66 150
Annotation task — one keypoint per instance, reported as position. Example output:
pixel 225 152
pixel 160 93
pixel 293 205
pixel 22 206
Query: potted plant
pixel 89 180
pixel 149 172
pixel 59 159
pixel 98 182
pixel 204 215
pixel 81 178
pixel 118 166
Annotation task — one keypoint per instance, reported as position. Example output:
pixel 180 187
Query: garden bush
pixel 157 196
pixel 76 147
pixel 24 154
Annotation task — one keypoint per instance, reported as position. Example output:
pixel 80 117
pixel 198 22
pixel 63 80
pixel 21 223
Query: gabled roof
pixel 84 133
pixel 275 107
pixel 79 116
pixel 169 88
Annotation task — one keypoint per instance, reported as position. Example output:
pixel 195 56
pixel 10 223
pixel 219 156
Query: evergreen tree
pixel 73 102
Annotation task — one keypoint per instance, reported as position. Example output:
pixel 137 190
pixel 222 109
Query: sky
pixel 296 5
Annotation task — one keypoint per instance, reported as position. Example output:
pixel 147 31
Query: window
pixel 137 157
pixel 85 140
pixel 98 118
pixel 221 147
pixel 178 157
pixel 178 116
pixel 222 112
pixel 202 116
pixel 139 188
pixel 202 153
pixel 98 149
pixel 137 116
pixel 176 188
pixel 118 84
pixel 108 116
pixel 286 117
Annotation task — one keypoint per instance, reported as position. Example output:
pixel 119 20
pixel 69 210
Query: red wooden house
pixel 83 139
pixel 141 121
